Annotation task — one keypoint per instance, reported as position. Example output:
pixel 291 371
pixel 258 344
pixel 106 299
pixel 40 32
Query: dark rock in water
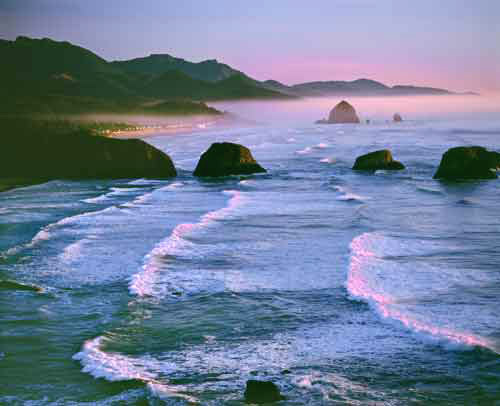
pixel 262 392
pixel 397 118
pixel 343 113
pixel 468 163
pixel 223 159
pixel 377 160
pixel 322 121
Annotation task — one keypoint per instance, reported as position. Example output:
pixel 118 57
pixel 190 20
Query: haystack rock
pixel 262 392
pixel 397 118
pixel 224 159
pixel 377 160
pixel 343 113
pixel 468 163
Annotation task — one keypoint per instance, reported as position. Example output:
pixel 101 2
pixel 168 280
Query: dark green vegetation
pixel 34 151
pixel 156 64
pixel 226 158
pixel 468 163
pixel 45 76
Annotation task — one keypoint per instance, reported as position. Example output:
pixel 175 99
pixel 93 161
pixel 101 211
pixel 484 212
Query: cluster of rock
pixel 86 157
pixel 459 163
pixel 345 113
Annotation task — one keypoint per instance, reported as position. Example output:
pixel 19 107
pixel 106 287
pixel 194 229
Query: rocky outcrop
pixel 224 159
pixel 262 392
pixel 377 160
pixel 36 152
pixel 343 113
pixel 468 163
pixel 397 118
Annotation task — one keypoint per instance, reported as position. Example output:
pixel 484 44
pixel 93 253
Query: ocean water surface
pixel 341 287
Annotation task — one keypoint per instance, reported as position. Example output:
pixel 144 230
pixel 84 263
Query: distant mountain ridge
pixel 214 71
pixel 155 64
pixel 43 72
pixel 358 87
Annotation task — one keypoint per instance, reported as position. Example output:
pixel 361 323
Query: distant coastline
pixel 43 76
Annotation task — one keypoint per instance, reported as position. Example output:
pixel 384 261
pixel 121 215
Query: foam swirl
pixel 366 281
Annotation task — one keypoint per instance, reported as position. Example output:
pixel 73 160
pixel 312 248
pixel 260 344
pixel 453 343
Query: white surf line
pixel 143 283
pixel 117 367
pixel 44 233
pixel 359 287
pixel 114 191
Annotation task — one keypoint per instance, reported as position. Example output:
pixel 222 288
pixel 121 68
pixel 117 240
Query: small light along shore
pixel 183 126
pixel 145 131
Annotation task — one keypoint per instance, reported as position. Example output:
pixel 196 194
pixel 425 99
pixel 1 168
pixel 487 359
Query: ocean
pixel 343 288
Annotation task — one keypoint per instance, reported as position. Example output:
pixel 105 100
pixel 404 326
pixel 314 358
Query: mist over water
pixel 378 109
pixel 341 287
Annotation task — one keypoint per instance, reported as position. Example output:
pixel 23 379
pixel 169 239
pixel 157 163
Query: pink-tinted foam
pixel 359 286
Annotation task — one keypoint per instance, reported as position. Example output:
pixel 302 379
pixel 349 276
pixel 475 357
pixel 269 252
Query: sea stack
pixel 468 163
pixel 224 159
pixel 397 118
pixel 377 160
pixel 343 113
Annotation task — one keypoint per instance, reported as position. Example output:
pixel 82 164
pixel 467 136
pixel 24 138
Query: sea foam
pixel 372 280
pixel 118 367
pixel 146 282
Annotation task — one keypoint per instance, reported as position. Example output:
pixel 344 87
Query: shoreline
pixel 183 127
pixel 7 184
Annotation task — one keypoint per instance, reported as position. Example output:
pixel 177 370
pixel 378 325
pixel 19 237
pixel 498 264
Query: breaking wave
pixel 373 279
pixel 146 282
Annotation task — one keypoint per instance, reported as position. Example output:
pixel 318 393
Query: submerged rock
pixel 343 113
pixel 262 392
pixel 397 118
pixel 468 163
pixel 223 159
pixel 377 160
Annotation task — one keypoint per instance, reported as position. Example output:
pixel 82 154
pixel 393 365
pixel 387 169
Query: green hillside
pixel 46 76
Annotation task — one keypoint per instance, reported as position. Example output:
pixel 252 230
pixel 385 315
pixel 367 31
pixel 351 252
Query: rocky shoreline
pixel 34 152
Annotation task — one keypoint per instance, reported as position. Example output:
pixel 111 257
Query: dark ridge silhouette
pixel 33 151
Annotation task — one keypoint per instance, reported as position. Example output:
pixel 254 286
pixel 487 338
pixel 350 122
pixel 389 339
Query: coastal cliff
pixel 32 151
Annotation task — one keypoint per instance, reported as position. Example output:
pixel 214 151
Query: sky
pixel 453 44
